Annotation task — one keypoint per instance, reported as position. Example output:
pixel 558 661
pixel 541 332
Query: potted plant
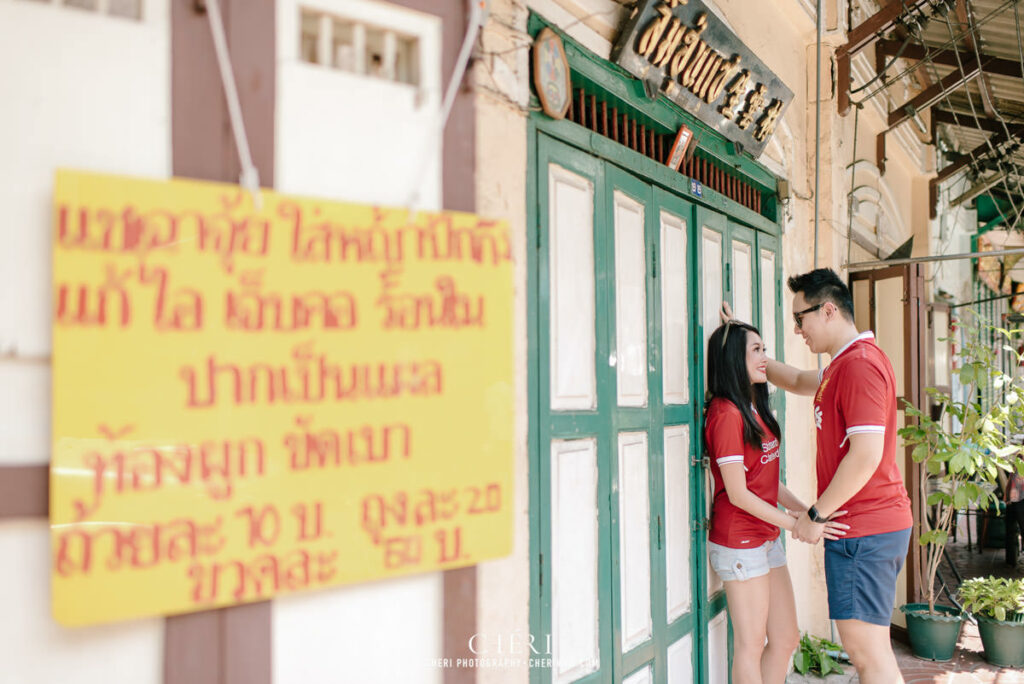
pixel 959 468
pixel 818 656
pixel 998 605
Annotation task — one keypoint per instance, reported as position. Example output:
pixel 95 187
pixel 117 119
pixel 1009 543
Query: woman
pixel 742 437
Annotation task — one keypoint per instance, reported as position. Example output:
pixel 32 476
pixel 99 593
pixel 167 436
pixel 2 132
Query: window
pixel 358 48
pixel 128 9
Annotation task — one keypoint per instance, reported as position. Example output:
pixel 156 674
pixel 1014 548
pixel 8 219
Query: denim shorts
pixel 860 574
pixel 737 565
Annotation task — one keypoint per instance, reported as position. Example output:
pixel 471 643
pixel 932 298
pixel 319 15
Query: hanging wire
pixel 950 44
pixel 250 178
pixel 477 17
pixel 1011 141
pixel 988 141
pixel 853 179
pixel 930 65
pixel 881 72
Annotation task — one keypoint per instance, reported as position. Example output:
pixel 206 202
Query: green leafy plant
pixel 817 656
pixel 995 597
pixel 961 465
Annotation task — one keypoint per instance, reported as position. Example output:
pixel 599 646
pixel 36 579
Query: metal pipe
pixel 817 120
pixel 868 265
pixel 988 299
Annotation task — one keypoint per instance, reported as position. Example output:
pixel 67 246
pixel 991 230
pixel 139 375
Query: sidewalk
pixel 968 666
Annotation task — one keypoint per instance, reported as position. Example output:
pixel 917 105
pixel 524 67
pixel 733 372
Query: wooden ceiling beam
pixel 978 152
pixel 944 116
pixel 929 96
pixel 862 35
pixel 991 65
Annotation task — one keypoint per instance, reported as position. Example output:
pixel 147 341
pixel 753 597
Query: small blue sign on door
pixel 696 187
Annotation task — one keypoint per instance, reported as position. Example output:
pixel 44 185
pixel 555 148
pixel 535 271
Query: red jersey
pixel 723 433
pixel 857 395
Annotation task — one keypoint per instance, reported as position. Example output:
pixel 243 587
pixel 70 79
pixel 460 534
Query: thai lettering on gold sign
pixel 682 50
pixel 252 402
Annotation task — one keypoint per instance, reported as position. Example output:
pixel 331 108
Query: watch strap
pixel 812 513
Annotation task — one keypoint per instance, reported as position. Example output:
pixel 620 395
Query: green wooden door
pixel 625 281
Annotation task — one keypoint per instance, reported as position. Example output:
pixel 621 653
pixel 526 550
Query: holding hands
pixel 806 530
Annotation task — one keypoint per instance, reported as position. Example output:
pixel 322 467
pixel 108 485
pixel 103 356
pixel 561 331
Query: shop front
pixel 629 261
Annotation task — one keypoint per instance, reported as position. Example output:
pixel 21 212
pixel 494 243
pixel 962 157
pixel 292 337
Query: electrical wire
pixel 853 178
pixel 1010 139
pixel 881 73
pixel 950 44
pixel 929 64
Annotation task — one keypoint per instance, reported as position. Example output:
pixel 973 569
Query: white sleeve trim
pixel 854 429
pixel 725 460
pixel 862 429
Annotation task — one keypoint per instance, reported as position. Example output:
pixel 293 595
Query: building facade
pixel 620 262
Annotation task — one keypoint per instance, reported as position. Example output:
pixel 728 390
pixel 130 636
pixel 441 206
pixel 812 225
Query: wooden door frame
pixel 914 379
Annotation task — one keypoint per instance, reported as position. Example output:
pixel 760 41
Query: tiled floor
pixel 968 665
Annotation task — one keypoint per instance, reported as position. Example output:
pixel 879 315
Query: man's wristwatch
pixel 812 513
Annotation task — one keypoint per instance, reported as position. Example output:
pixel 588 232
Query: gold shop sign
pixel 681 49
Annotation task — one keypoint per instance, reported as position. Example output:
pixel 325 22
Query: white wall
pixel 349 137
pixel 951 233
pixel 93 92
pixel 37 650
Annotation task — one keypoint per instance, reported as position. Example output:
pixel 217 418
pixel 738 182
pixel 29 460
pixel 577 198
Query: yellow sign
pixel 253 402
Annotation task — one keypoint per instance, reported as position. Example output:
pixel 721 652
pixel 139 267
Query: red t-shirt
pixel 856 395
pixel 723 432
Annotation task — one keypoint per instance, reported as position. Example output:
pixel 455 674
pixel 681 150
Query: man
pixel 855 417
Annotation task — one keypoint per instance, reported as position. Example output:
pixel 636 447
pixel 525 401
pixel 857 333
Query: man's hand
pixel 807 530
pixel 835 530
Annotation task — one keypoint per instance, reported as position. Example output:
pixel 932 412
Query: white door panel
pixel 680 661
pixel 710 282
pixel 677 521
pixel 573 378
pixel 630 301
pixel 674 310
pixel 574 563
pixel 742 282
pixel 769 295
pixel 634 540
pixel 718 649
pixel 643 676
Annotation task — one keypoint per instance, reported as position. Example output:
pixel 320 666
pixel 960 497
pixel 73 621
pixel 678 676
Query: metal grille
pixel 621 124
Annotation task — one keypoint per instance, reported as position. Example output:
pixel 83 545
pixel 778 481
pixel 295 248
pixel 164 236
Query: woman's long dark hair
pixel 728 379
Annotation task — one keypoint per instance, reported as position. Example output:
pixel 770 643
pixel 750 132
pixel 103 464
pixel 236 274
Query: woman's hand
pixel 794 515
pixel 725 313
pixel 835 530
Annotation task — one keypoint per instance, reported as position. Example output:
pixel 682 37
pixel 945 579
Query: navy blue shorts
pixel 861 575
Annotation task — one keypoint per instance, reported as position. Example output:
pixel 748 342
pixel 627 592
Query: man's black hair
pixel 728 379
pixel 823 285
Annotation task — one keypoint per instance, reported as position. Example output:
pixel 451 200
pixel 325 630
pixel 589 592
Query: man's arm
pixel 792 379
pixel 853 473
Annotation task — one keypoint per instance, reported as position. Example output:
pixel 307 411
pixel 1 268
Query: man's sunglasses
pixel 798 316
